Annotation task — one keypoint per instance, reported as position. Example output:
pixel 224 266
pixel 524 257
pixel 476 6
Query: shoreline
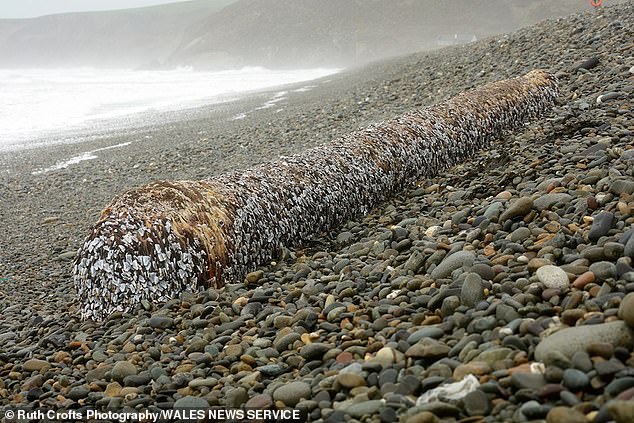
pixel 466 273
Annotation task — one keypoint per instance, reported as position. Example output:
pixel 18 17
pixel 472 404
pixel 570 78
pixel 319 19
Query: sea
pixel 47 106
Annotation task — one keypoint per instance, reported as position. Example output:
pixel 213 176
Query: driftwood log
pixel 158 240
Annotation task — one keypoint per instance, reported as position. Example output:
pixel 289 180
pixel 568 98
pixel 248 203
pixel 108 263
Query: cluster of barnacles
pixel 161 239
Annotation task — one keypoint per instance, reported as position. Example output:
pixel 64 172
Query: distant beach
pixel 49 106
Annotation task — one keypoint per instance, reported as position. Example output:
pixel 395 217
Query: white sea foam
pixel 38 102
pixel 89 155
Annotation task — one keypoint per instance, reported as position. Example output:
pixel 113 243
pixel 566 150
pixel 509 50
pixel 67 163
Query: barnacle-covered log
pixel 158 240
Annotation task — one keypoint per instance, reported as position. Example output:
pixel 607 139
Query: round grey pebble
pixel 314 351
pixel 291 393
pixel 122 369
pixel 161 322
pixel 575 380
pixel 603 270
pixel 191 402
pixel 476 403
pixel 552 277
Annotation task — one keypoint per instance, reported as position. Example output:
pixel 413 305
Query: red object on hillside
pixel 596 3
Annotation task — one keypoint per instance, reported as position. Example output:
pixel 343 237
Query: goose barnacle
pixel 180 235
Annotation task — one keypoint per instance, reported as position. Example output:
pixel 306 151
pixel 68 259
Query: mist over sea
pixel 46 105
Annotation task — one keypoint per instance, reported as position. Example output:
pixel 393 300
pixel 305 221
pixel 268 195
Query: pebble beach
pixel 501 290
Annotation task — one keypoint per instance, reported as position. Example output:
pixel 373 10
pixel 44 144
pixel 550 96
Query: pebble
pixel 552 277
pixel 191 403
pixel 472 291
pixel 476 403
pixel 122 369
pixel 425 332
pixel 575 380
pixel 621 411
pixel 35 365
pixel 626 309
pixel 546 201
pixel 291 393
pixel 161 322
pixel 569 340
pixel 314 351
pixel 427 348
pixel 603 270
pixel 519 208
pixel 450 263
pixel 350 380
pixel 561 414
pixel 365 408
pixel 601 225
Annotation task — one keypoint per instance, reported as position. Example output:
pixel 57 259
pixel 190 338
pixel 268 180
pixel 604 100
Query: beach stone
pixel 561 414
pixel 388 376
pixel 425 332
pixel 626 309
pixel 581 360
pixel 552 277
pixel 350 380
pixel 161 322
pixel 619 385
pixel 613 250
pixel 587 64
pixel 520 234
pixel 569 340
pixel 600 349
pixel 506 313
pixel 493 355
pixel 534 381
pixel 415 262
pixel 519 208
pixel 235 397
pixel 533 410
pixel 583 280
pixel 476 403
pixel 285 341
pixel 408 385
pixel 621 411
pixel 191 402
pixel 575 380
pixel 314 351
pixel 603 270
pixel 365 408
pixel 122 369
pixel 427 348
pixel 485 271
pixel 546 201
pixel 628 251
pixel 386 356
pixel 255 276
pixel 622 186
pixel 388 415
pixel 422 417
pixel 601 224
pixel 291 393
pixel 472 291
pixel 35 365
pixel 260 401
pixel 113 389
pixel 451 263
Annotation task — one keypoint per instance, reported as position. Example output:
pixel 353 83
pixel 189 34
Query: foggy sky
pixel 32 8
